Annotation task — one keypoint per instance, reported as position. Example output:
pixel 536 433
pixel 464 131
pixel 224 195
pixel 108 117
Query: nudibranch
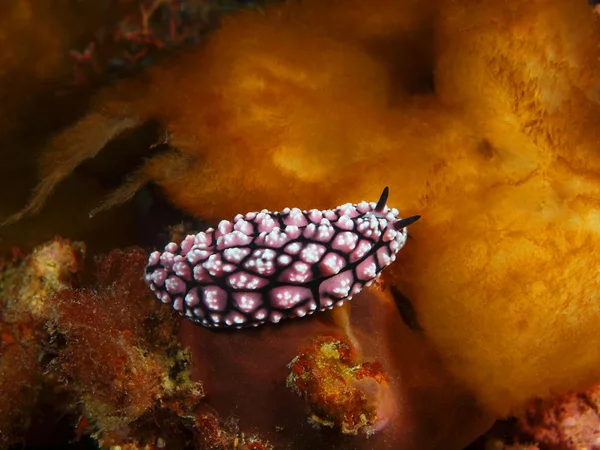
pixel 266 266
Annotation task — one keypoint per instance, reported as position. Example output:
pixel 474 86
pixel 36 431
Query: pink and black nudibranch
pixel 264 266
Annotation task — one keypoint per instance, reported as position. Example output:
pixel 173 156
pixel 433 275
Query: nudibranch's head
pixel 391 227
pixel 264 266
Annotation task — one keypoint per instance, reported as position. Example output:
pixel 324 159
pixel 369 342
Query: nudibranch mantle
pixel 266 266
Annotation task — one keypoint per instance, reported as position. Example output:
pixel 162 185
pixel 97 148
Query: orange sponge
pixel 498 151
pixel 504 271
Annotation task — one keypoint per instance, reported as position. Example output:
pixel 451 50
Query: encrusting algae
pixel 105 358
pixel 340 392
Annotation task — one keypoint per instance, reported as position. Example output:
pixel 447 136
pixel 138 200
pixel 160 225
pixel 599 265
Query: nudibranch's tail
pixel 382 200
pixel 403 223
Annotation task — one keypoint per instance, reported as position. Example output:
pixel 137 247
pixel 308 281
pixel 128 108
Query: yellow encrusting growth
pixel 483 117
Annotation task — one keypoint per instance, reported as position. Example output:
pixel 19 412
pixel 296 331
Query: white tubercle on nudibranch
pixel 267 266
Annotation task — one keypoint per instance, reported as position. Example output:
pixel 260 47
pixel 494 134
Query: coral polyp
pixel 264 267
